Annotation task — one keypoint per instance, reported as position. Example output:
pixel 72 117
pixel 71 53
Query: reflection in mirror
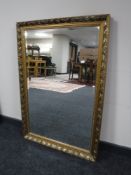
pixel 61 77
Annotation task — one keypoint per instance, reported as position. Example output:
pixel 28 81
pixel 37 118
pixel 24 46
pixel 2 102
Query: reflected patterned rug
pixel 53 85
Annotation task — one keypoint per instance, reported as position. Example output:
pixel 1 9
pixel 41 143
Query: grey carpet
pixel 63 117
pixel 21 157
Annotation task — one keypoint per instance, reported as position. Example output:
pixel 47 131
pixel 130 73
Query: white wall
pixel 60 52
pixel 116 126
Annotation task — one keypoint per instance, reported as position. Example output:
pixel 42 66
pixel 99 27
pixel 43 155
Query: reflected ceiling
pixel 81 35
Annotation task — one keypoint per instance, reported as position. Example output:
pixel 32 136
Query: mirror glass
pixel 61 68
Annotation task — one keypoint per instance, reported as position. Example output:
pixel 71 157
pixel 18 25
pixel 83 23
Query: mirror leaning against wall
pixel 62 70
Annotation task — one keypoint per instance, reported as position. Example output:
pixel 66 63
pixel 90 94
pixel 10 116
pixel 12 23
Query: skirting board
pixel 103 145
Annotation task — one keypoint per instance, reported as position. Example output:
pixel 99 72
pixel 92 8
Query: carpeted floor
pixel 63 117
pixel 21 157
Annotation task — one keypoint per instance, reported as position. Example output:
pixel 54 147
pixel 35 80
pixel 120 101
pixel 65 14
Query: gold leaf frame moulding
pixel 103 21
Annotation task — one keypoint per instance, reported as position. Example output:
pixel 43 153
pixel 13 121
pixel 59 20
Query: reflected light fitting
pixel 43 35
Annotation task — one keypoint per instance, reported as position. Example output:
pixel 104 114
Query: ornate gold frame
pixel 103 21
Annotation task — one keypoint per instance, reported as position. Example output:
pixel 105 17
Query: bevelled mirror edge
pixel 104 22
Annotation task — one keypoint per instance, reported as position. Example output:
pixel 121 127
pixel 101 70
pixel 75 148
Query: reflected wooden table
pixel 35 66
pixel 86 70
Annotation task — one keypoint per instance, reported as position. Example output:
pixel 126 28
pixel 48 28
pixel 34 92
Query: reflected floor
pixel 66 117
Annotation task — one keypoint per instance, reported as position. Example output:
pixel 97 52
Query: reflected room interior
pixel 61 76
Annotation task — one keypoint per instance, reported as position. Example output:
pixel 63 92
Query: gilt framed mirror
pixel 62 72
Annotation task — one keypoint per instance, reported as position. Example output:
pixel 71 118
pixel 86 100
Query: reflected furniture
pixel 88 53
pixel 75 68
pixel 90 71
pixel 50 68
pixel 34 67
pixel 33 49
pixel 86 71
pixel 73 49
pixel 85 66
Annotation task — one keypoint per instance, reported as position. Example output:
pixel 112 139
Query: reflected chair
pixel 74 68
pixel 90 74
